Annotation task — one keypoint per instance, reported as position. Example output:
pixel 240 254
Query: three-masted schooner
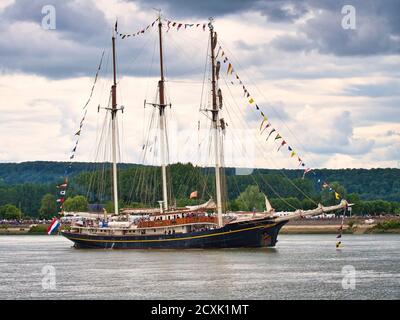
pixel 189 227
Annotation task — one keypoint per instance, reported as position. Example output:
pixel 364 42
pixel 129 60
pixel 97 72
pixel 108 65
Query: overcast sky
pixel 332 93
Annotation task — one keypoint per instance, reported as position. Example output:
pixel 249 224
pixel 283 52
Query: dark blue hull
pixel 251 234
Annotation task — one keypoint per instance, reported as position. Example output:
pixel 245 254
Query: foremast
pixel 114 109
pixel 215 125
pixel 162 120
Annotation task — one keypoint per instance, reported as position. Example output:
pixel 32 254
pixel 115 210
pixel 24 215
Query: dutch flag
pixel 53 226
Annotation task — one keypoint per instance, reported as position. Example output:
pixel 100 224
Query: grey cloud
pixel 74 48
pixel 275 111
pixel 340 139
pixel 83 31
pixel 273 10
pixel 76 20
pixel 378 110
pixel 378 26
pixel 375 90
pixel 391 133
pixel 377 30
pixel 282 11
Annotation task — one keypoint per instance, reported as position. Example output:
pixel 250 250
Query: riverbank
pixel 39 229
pixel 354 225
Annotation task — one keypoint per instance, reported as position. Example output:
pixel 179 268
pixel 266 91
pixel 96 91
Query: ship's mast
pixel 114 111
pixel 215 126
pixel 162 123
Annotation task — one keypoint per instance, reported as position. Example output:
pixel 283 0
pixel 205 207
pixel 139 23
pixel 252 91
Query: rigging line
pixel 261 176
pixel 189 58
pixel 85 107
pixel 144 45
pixel 166 140
pixel 239 109
pixel 110 157
pixel 146 139
pixel 204 74
pixel 184 81
pixel 102 152
pixel 271 104
pixel 194 42
pixel 93 152
pixel 144 151
pixel 202 178
pixel 103 81
pixel 118 134
pixel 93 149
pixel 271 159
pixel 150 69
pixel 185 36
pixel 91 181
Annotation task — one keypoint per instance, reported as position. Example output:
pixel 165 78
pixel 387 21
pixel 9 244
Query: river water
pixel 299 267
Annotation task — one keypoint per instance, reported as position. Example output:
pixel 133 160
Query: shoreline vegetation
pixel 372 191
pixel 29 196
pixel 306 226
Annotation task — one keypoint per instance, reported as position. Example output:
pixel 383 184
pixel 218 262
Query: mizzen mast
pixel 162 123
pixel 215 124
pixel 114 111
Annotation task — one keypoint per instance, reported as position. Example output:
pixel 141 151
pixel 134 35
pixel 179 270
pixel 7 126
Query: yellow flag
pixel 230 68
pixel 251 100
pixel 264 119
pixel 293 154
pixel 337 195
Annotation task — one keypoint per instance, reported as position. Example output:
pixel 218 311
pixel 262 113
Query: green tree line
pixel 373 191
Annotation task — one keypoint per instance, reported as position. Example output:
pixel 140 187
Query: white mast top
pixel 162 122
pixel 114 111
pixel 215 122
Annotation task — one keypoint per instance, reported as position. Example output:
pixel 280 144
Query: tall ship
pixel 206 225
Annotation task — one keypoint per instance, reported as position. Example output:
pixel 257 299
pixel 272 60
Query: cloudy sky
pixel 332 93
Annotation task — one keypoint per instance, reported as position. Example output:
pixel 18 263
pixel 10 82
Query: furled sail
pixel 220 98
pixel 214 44
pixel 268 207
pixel 210 204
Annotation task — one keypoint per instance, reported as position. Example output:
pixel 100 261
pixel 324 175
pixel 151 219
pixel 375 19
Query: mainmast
pixel 215 124
pixel 114 111
pixel 162 123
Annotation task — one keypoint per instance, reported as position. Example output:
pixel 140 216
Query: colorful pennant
pixel 179 25
pixel 246 93
pixel 135 34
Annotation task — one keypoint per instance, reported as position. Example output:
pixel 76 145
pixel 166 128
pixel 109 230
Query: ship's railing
pixel 177 221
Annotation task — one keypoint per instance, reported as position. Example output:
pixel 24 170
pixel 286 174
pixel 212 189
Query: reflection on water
pixel 300 267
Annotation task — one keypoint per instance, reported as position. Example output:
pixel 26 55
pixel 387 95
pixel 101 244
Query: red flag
pixel 193 195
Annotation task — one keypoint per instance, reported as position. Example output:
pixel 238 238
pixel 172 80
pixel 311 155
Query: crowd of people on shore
pixel 20 222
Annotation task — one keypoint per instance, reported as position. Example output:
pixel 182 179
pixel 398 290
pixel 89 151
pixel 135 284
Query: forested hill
pixel 26 184
pixel 41 172
pixel 368 183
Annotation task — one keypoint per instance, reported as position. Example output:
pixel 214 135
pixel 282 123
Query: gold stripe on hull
pixel 177 239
